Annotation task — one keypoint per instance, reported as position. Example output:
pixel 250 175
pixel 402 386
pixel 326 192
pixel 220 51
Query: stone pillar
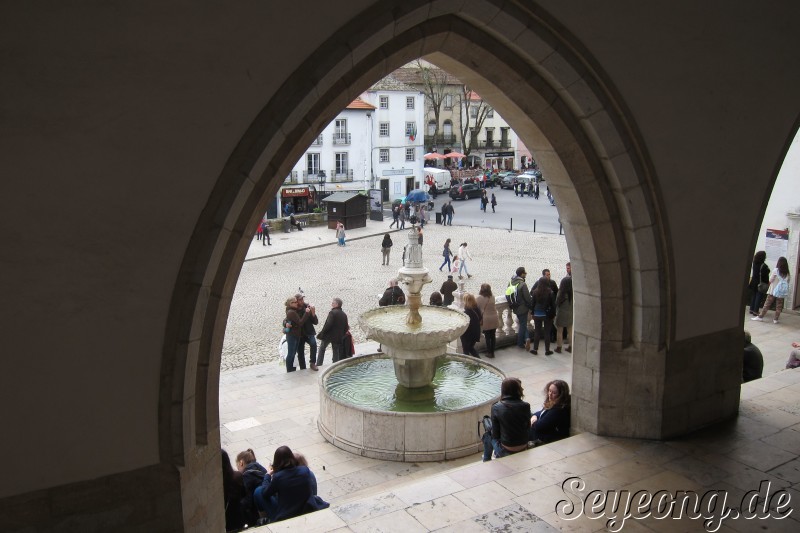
pixel 793 257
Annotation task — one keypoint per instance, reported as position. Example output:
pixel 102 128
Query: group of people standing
pixel 773 286
pixel 485 201
pixel 548 304
pixel 299 329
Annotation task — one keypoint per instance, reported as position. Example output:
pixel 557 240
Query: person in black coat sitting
pixel 551 423
pixel 393 295
pixel 233 492
pixel 252 476
pixel 510 422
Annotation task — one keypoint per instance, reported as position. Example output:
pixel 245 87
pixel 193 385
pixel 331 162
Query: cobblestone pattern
pixel 355 274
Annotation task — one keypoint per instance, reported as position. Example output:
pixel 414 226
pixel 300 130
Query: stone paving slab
pixel 262 407
pixel 310 260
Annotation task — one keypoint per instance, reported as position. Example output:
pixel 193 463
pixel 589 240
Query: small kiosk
pixel 351 208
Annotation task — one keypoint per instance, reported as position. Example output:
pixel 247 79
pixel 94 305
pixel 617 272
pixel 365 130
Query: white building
pixel 397 141
pixel 338 160
pixel 375 142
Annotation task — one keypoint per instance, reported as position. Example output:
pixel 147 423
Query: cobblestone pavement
pixel 310 260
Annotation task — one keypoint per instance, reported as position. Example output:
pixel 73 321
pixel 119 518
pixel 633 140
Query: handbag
pixel 762 287
pixel 283 348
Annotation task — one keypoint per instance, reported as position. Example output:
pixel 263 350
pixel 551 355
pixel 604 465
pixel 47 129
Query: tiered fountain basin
pixel 363 410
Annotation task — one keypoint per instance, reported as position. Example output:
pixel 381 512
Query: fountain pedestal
pixel 415 337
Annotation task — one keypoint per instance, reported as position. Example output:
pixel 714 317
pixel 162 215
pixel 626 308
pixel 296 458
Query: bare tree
pixel 434 86
pixel 473 114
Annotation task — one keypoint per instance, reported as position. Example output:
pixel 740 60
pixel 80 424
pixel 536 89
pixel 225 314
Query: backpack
pixel 512 296
pixel 781 290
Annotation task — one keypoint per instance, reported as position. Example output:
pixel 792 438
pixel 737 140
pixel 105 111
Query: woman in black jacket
pixel 473 334
pixel 551 423
pixel 760 275
pixel 510 422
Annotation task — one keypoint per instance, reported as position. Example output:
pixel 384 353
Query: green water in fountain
pixel 372 384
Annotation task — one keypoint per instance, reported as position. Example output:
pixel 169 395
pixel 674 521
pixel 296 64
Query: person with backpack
pixel 519 301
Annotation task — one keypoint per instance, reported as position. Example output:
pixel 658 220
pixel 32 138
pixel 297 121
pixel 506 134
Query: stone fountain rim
pixel 379 355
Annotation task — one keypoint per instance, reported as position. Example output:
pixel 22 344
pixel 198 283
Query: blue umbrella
pixel 418 195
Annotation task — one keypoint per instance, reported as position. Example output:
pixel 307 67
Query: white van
pixel 439 176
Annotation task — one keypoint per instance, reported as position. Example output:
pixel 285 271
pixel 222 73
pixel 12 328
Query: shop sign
pixel 499 154
pixel 289 192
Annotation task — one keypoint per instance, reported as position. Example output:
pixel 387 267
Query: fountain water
pixel 431 409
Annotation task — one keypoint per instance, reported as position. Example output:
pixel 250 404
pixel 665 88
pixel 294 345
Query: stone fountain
pixel 429 408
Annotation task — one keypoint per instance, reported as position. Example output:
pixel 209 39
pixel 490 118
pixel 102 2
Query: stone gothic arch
pixel 562 106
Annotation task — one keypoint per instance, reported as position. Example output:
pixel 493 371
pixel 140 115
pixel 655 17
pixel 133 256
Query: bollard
pixel 534 225
pixel 560 227
pixel 511 227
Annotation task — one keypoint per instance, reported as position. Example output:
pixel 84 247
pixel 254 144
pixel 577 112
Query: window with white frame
pixel 448 101
pixel 341 163
pixel 431 127
pixel 473 111
pixel 384 102
pixel 410 154
pixel 312 164
pixel 340 128
pixel 448 128
pixel 409 102
pixel 490 113
pixel 383 129
pixel 383 155
pixel 410 127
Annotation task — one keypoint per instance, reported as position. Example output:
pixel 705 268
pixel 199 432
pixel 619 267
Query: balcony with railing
pixel 341 176
pixel 341 139
pixel 440 140
pixel 292 178
pixel 494 143
pixel 317 141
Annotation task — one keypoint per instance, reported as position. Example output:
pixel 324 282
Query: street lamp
pixel 321 177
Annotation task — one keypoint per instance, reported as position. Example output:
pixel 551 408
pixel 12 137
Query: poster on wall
pixel 375 205
pixel 776 244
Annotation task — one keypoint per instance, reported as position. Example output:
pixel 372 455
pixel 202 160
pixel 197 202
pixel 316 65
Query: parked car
pixel 498 178
pixel 536 173
pixel 524 179
pixel 507 181
pixel 465 190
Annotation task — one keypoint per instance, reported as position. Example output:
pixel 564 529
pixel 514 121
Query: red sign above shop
pixel 290 192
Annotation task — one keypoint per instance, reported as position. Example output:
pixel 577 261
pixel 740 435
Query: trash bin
pixel 286 226
pixel 438 218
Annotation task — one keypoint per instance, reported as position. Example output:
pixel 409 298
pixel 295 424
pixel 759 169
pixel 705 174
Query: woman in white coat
pixel 463 255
